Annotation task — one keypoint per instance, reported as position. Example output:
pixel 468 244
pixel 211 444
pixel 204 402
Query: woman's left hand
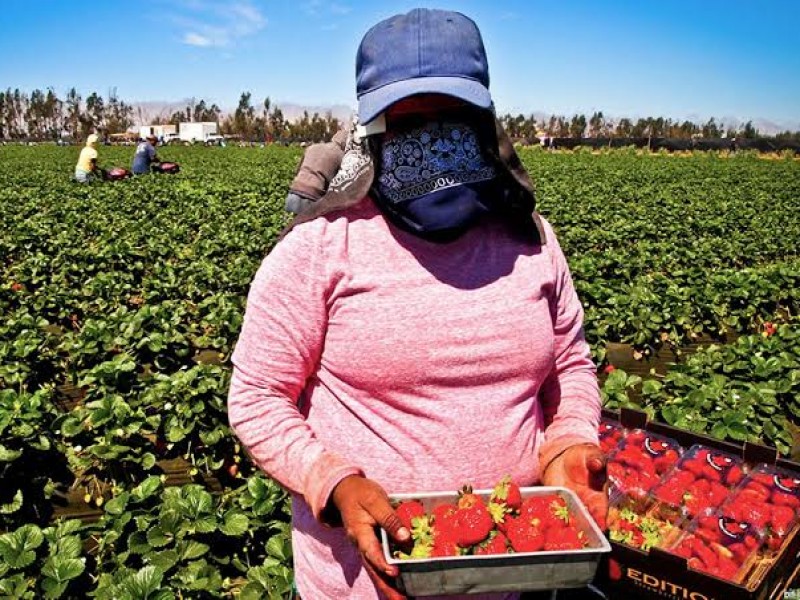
pixel 582 468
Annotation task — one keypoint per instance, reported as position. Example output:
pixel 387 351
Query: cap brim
pixel 371 104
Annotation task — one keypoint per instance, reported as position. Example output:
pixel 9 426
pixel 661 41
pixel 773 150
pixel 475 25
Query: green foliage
pixel 133 292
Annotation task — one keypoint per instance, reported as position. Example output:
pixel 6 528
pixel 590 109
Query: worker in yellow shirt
pixel 87 168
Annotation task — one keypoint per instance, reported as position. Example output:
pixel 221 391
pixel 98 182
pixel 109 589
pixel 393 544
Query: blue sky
pixel 676 58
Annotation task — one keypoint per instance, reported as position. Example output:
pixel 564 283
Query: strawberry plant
pixel 42 563
pixel 133 295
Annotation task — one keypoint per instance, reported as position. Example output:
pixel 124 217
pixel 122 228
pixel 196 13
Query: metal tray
pixel 523 571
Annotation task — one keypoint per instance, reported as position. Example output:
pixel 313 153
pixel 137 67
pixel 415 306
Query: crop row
pixel 132 294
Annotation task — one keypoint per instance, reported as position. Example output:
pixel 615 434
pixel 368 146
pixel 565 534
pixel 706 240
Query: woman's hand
pixel 582 468
pixel 363 505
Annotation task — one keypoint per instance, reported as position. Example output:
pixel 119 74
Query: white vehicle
pixel 215 140
pixel 197 132
pixel 160 131
pixel 171 138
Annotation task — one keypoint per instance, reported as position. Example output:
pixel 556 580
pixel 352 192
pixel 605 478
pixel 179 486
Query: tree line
pixel 520 127
pixel 43 115
pixel 261 122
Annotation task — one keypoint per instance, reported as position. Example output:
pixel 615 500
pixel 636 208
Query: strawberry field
pixel 120 304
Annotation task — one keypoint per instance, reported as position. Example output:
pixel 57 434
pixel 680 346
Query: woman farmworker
pixel 87 168
pixel 416 329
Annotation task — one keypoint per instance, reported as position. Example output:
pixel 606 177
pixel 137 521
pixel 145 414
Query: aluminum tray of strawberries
pixel 504 539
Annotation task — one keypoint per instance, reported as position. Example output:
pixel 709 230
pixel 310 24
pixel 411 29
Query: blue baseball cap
pixel 422 52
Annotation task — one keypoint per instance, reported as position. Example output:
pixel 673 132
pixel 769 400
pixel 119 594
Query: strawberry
pixel 443 516
pixel 704 553
pixel 505 522
pixel 547 510
pixel 734 475
pixel 506 493
pixel 758 489
pixel 563 538
pixel 717 494
pixel 609 369
pixel 664 462
pixel 670 492
pixel 762 477
pixel 636 437
pixel 782 518
pixel 739 551
pixel 472 519
pixel 695 466
pixel 408 510
pixel 497 543
pixel 727 569
pixel 785 499
pixel 525 537
pixel 445 544
pixel 755 513
pixel 683 478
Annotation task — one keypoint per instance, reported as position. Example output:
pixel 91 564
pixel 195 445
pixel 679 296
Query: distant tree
pixel 72 118
pixel 563 127
pixel 596 124
pixel 748 132
pixel 92 119
pixel 244 116
pixel 686 130
pixel 118 114
pixel 176 117
pixel 711 130
pixel 640 128
pixel 552 126
pixel 34 114
pixel 277 124
pixel 577 126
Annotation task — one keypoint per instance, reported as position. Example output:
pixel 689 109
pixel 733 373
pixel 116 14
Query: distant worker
pixel 145 156
pixel 86 169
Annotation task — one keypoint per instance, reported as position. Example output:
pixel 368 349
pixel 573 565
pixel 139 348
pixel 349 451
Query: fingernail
pixel 403 534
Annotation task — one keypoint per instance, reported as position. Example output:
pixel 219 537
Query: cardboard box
pixel 631 573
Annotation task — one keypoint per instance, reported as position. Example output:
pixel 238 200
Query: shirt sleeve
pixel 570 396
pixel 278 349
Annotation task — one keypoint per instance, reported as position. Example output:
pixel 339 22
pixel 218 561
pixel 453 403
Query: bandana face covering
pixel 433 180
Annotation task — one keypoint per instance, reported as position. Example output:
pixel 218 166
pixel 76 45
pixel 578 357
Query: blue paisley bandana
pixel 435 157
pixel 434 178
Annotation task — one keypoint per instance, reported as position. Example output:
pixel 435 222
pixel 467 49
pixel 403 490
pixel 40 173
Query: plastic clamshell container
pixel 641 523
pixel 523 571
pixel 769 499
pixel 716 465
pixel 717 535
pixel 783 485
pixel 702 479
pixel 610 434
pixel 640 460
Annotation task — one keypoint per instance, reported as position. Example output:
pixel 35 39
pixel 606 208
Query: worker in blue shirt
pixel 145 156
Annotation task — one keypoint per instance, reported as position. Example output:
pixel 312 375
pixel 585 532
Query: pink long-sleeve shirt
pixel 423 366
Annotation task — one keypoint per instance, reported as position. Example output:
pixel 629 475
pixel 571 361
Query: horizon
pixel 726 60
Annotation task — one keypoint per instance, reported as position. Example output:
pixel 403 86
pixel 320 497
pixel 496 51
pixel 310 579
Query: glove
pixel 295 203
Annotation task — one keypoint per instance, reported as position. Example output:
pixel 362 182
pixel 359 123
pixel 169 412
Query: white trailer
pixel 162 132
pixel 197 132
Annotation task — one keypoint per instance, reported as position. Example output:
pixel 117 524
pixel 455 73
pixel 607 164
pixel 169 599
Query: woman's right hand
pixel 363 506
